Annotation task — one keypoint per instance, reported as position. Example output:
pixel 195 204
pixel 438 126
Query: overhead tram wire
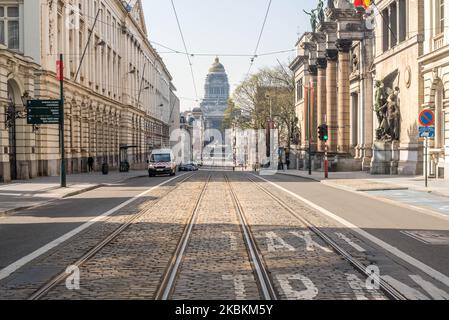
pixel 185 48
pixel 259 39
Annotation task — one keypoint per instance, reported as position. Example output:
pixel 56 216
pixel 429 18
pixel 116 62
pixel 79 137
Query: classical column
pixel 331 98
pixel 321 97
pixel 367 96
pixel 344 47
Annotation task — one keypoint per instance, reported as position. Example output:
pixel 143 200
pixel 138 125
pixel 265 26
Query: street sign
pixel 427 132
pixel 427 118
pixel 59 70
pixel 43 111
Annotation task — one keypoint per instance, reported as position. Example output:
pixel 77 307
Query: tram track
pixel 169 278
pixel 52 283
pixel 386 288
pixel 264 280
pixel 261 276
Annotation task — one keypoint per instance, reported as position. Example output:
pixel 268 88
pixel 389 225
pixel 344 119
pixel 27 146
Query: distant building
pixel 216 97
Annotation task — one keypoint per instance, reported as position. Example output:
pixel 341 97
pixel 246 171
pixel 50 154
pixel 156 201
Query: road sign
pixel 427 132
pixel 43 111
pixel 59 70
pixel 427 118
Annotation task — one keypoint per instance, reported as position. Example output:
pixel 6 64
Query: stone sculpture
pixel 320 10
pixel 387 112
pixel 313 19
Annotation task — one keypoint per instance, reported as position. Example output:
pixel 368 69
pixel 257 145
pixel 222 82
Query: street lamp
pixel 12 114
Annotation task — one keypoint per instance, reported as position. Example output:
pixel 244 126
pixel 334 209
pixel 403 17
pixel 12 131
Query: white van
pixel 162 161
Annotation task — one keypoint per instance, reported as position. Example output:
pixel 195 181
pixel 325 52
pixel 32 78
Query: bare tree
pixel 269 93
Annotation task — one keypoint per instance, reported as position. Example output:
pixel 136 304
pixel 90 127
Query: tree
pixel 269 93
pixel 231 115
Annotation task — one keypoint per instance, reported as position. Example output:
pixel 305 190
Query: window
pixel 402 20
pixel 439 115
pixel 10 27
pixel 394 24
pixel 385 30
pixel 440 16
pixel 299 90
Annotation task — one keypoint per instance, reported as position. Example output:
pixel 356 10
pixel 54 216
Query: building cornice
pixel 297 62
pixel 430 57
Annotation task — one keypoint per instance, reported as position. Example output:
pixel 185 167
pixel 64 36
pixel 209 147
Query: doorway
pixel 12 132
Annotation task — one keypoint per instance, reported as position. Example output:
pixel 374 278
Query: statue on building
pixel 393 115
pixel 320 10
pixel 330 4
pixel 387 112
pixel 313 19
pixel 355 62
pixel 380 100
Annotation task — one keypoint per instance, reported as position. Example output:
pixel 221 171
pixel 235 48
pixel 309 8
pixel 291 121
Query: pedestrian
pixel 90 163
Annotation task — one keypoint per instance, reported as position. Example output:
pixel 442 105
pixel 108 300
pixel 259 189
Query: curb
pixel 10 212
pixel 336 185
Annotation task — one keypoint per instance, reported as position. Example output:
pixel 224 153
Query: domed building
pixel 216 96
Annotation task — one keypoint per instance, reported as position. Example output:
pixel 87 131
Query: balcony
pixel 438 41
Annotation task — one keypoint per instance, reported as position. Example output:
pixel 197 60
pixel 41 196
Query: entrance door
pixel 12 134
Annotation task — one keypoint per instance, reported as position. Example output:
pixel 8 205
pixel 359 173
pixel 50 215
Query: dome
pixel 217 66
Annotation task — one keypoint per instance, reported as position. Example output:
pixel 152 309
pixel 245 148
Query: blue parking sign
pixel 427 132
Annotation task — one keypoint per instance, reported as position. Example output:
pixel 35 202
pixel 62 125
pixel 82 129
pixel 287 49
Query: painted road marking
pixel 428 237
pixel 239 284
pixel 413 294
pixel 309 293
pixel 7 271
pixel 276 243
pixel 350 242
pixel 310 244
pixel 359 288
pixel 11 194
pixel 393 250
pixel 232 240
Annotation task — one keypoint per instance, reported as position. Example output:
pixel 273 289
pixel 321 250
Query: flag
pixel 362 3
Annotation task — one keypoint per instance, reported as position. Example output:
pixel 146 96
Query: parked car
pixel 162 161
pixel 188 167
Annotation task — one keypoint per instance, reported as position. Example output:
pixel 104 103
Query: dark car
pixel 188 167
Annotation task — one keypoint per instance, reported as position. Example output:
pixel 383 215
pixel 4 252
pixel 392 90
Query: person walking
pixel 90 163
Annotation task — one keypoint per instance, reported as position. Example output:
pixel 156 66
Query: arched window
pixel 439 115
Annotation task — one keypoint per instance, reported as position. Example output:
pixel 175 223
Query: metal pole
pixel 61 123
pixel 425 161
pixel 87 44
pixel 326 163
pixel 309 89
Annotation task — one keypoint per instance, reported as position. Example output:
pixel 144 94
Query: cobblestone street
pixel 187 239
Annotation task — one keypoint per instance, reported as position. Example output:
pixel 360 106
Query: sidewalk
pixel 39 191
pixel 363 181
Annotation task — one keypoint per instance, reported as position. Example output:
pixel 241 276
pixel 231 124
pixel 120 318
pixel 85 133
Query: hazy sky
pixel 223 27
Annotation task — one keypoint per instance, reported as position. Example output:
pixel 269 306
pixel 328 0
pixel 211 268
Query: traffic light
pixel 323 132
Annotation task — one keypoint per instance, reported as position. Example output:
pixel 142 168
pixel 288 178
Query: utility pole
pixel 61 121
pixel 309 122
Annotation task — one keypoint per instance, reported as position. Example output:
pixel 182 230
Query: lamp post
pixel 310 93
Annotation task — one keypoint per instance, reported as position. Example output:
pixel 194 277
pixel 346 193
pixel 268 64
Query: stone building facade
pixel 434 67
pixel 363 65
pixel 121 97
pixel 216 96
pixel 339 90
